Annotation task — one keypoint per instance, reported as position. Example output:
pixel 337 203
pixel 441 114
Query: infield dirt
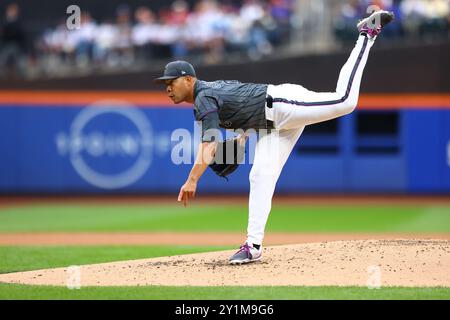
pixel 401 262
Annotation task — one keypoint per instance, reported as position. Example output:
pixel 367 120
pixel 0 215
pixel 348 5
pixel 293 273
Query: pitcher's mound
pixel 341 263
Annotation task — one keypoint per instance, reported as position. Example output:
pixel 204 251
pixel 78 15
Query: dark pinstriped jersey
pixel 229 105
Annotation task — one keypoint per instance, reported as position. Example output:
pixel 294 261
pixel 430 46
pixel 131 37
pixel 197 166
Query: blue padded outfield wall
pixel 110 148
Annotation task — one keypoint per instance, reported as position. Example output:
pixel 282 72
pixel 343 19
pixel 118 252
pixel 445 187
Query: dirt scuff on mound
pixel 418 263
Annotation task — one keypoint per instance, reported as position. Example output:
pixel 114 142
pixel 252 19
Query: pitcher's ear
pixel 191 79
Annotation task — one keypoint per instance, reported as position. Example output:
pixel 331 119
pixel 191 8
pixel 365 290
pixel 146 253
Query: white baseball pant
pixel 295 107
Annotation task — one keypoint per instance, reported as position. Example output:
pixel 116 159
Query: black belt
pixel 269 103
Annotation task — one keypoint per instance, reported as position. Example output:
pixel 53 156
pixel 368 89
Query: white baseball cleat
pixel 372 25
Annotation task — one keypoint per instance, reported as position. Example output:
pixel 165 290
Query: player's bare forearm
pixel 205 155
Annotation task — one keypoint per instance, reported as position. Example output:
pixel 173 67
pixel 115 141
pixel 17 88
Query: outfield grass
pixel 361 218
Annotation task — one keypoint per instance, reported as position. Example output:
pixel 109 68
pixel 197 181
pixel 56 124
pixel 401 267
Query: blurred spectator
pixel 144 32
pixel 104 42
pixel 123 42
pixel 204 34
pixel 413 12
pixel 178 17
pixel 83 39
pixel 344 27
pixel 282 11
pixel 179 13
pixel 12 40
pixel 254 13
pixel 252 10
pixel 436 16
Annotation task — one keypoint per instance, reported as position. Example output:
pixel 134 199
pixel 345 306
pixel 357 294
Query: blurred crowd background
pixel 140 34
pixel 416 19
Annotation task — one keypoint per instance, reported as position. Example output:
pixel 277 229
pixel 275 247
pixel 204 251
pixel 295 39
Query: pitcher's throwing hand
pixel 187 191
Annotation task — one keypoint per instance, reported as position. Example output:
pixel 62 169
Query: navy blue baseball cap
pixel 175 70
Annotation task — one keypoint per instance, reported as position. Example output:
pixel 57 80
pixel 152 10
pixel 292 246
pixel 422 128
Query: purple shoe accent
pixel 245 248
pixel 246 254
pixel 370 32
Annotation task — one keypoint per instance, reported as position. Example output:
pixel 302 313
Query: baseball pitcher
pixel 281 111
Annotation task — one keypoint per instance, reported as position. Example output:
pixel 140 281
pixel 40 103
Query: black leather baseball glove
pixel 229 154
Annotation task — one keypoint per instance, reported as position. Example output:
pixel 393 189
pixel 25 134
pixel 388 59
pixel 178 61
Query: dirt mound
pixel 342 263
